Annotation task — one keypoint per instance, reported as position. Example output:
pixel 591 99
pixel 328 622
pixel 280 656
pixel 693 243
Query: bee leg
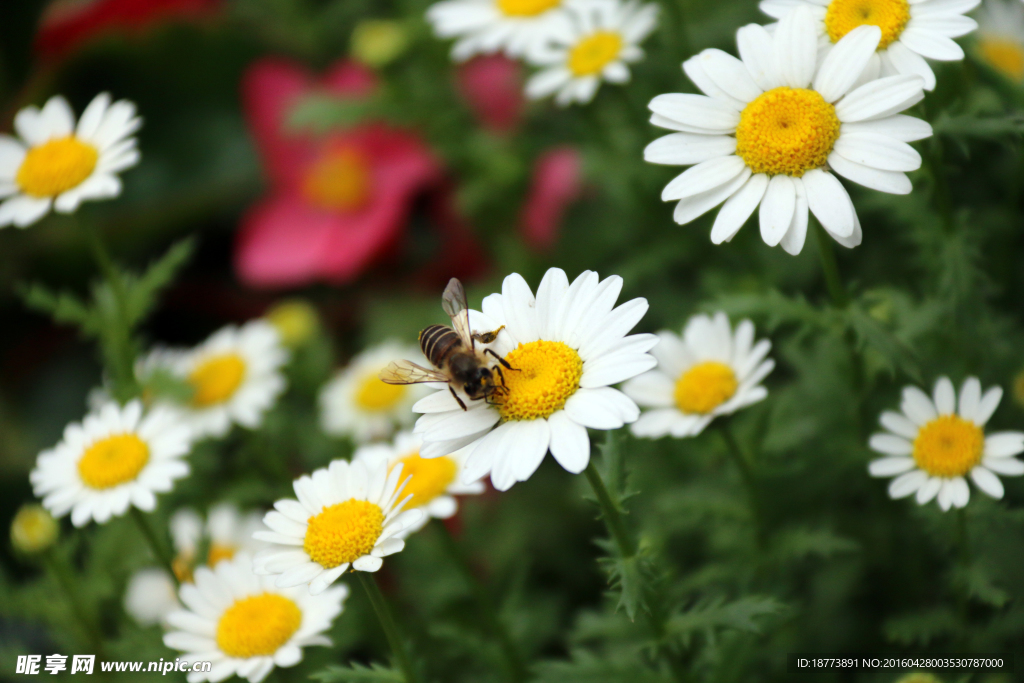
pixel 501 360
pixel 487 337
pixel 461 404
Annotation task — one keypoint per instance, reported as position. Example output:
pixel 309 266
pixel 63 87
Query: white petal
pixel 917 406
pixel 931 45
pixel 534 437
pixel 987 406
pixel 697 111
pixel 729 74
pixel 959 492
pixel 906 61
pixel 570 444
pixel 970 398
pixel 987 482
pixel 777 208
pixel 755 49
pixel 880 98
pixel 944 396
pixel 704 177
pixel 844 62
pixel 891 182
pixel 694 70
pixel 901 127
pixel 928 491
pixel 796 235
pixel 367 563
pixel 907 484
pixel 1010 467
pixel 795 48
pixel 890 444
pixel 828 200
pixel 1004 444
pixel 888 467
pixel 878 151
pixel 898 424
pixel 737 209
pixel 683 149
pixel 693 207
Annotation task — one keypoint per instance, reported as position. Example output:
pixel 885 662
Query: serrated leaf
pixel 357 673
pixel 872 334
pixel 921 628
pixel 142 291
pixel 62 307
pixel 741 615
pixel 165 384
pixel 799 543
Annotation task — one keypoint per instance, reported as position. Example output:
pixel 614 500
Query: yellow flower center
pixel 219 552
pixel 56 166
pixel 376 396
pixel 258 625
pixel 593 53
pixel 949 446
pixel 113 460
pixel 339 181
pixel 216 379
pixel 545 375
pixel 526 8
pixel 343 532
pixel 787 131
pixel 428 478
pixel 889 15
pixel 704 387
pixel 184 563
pixel 1005 55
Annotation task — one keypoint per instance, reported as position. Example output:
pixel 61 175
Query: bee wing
pixel 407 372
pixel 453 301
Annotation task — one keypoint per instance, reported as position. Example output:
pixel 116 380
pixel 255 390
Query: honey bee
pixel 453 352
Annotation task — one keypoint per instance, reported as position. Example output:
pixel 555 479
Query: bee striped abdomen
pixel 437 342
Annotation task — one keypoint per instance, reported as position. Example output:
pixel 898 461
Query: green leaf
pixel 62 307
pixel 166 384
pixel 142 291
pixel 801 542
pixel 922 627
pixel 320 113
pixel 872 334
pixel 743 615
pixel 588 669
pixel 357 673
pixel 988 127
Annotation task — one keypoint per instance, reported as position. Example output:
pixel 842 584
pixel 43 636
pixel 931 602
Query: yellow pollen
pixel 182 567
pixel 704 387
pixel 545 375
pixel 343 532
pixel 376 396
pixel 56 166
pixel 340 181
pixel 428 478
pixel 216 379
pixel 592 54
pixel 1005 55
pixel 526 8
pixel 891 16
pixel 219 552
pixel 114 460
pixel 258 625
pixel 949 446
pixel 33 529
pixel 787 131
pixel 296 320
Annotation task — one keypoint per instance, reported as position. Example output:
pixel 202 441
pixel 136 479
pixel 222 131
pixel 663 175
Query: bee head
pixel 479 382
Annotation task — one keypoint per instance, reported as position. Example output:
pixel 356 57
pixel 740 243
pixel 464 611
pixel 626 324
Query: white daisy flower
pixel 487 26
pixel 567 346
pixel 595 42
pixel 236 375
pixel 357 404
pixel 935 442
pixel 1001 37
pixel 150 596
pixel 771 129
pixel 151 593
pixel 912 30
pixel 55 164
pixel 245 624
pixel 347 514
pixel 114 458
pixel 708 372
pixel 432 483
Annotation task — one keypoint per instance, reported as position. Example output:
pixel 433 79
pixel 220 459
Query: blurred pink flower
pixel 557 183
pixel 493 87
pixel 336 202
pixel 67 24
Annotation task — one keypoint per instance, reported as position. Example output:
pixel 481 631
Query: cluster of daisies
pixel 574 45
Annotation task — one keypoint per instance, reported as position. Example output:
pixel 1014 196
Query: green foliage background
pixel 722 589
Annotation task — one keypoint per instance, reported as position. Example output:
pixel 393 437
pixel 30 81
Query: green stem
pixel 159 551
pixel 749 480
pixel 963 547
pixel 485 606
pixel 610 513
pixel 62 575
pixel 119 354
pixel 387 622
pixel 830 268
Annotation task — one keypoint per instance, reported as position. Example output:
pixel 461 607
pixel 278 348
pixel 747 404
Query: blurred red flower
pixel 67 24
pixel 336 202
pixel 557 183
pixel 493 87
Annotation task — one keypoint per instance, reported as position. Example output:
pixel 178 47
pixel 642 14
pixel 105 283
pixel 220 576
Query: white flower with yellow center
pixel 594 43
pixel 150 595
pixel 346 515
pixel 114 458
pixel 566 347
pixel 912 30
pixel 433 483
pixel 706 373
pixel 57 165
pixel 771 129
pixel 236 376
pixel 357 404
pixel 1000 40
pixel 487 26
pixel 245 624
pixel 935 442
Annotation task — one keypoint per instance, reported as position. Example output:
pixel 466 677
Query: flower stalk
pixel 159 551
pixel 58 569
pixel 830 268
pixel 610 513
pixel 387 622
